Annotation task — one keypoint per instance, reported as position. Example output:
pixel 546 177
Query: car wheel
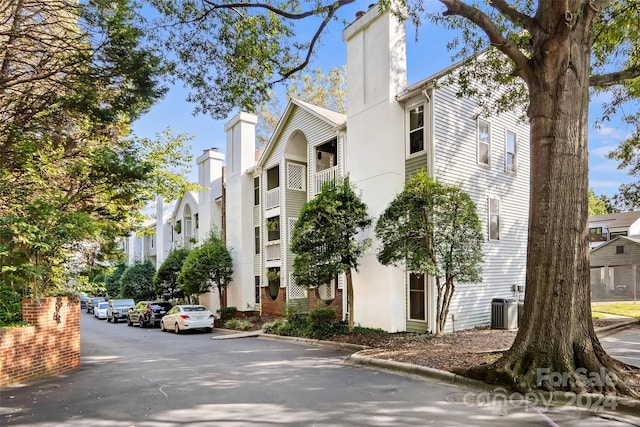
pixel 208 329
pixel 162 328
pixel 141 322
pixel 176 328
pixel 129 323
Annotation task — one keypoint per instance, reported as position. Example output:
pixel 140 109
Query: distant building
pixel 615 256
pixel 603 228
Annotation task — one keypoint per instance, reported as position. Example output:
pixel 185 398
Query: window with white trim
pixel 256 191
pixel 511 147
pixel 494 218
pixel 416 138
pixel 484 142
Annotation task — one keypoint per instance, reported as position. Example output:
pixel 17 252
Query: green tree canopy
pixel 165 280
pixel 324 237
pixel 69 171
pixel 433 228
pixel 137 281
pixel 207 265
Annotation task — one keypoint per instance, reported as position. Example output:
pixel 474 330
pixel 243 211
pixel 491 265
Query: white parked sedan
pixel 100 310
pixel 185 317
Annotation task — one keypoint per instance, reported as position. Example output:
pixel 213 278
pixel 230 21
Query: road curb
pixel 616 327
pixel 320 343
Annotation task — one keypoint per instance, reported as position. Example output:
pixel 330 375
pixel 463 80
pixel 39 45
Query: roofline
pixel 281 123
pixel 427 83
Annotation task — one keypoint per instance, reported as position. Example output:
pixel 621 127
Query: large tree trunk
pixel 556 335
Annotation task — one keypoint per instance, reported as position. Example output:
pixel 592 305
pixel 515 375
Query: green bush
pixel 226 313
pixel 272 327
pixel 231 324
pixel 240 325
pixel 10 306
pixel 322 322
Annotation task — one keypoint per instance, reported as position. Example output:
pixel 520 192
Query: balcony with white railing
pixel 323 176
pixel 272 251
pixel 272 200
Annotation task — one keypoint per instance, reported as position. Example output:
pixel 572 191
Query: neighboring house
pixel 603 228
pixel 390 131
pixel 615 269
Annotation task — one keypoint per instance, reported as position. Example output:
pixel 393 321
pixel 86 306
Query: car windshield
pixel 103 305
pixel 122 304
pixel 195 308
pixel 161 306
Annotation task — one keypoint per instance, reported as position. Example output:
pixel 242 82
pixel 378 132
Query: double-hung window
pixel 484 142
pixel 511 152
pixel 416 129
pixel 494 218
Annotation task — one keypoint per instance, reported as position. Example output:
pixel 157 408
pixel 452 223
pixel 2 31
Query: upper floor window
pixel 596 235
pixel 619 250
pixel 273 178
pixel 511 147
pixel 494 219
pixel 256 191
pixel 416 129
pixel 484 142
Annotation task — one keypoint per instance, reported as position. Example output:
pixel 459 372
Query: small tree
pixel 165 281
pixel 206 265
pixel 112 281
pixel 432 228
pixel 324 238
pixel 137 281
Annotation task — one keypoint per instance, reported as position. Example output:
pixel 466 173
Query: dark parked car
pixel 92 302
pixel 148 313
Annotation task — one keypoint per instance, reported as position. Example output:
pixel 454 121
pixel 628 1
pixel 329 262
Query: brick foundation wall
pixel 274 307
pixel 51 347
pixel 335 303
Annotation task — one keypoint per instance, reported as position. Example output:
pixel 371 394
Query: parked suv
pixel 118 309
pixel 92 303
pixel 148 313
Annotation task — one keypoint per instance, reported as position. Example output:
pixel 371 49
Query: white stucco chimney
pixel 375 154
pixel 210 165
pixel 241 143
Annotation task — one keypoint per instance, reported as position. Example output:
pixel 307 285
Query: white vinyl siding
pixel 456 163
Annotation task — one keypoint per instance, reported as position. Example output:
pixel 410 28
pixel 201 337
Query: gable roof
pixel 616 220
pixel 619 239
pixel 330 117
pixel 190 197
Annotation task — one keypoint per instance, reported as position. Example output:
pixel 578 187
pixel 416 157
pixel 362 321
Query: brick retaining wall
pixel 51 347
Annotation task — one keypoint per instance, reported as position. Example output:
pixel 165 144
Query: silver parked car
pixel 186 317
pixel 118 309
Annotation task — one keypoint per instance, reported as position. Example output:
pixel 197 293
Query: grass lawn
pixel 620 308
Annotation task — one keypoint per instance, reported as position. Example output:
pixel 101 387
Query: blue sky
pixel 425 56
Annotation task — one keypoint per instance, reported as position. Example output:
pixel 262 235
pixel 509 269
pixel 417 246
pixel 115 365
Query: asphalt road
pixel 146 378
pixel 624 345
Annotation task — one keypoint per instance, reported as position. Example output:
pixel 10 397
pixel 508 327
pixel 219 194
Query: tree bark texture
pixel 350 298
